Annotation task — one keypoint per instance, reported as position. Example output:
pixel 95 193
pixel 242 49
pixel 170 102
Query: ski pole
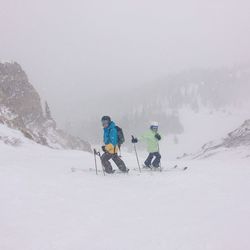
pixel 95 153
pixel 120 150
pixel 136 154
pixel 159 153
pixel 99 154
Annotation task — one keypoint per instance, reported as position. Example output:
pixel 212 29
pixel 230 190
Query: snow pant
pixel 156 162
pixel 106 157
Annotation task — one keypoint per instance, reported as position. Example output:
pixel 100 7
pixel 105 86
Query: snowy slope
pixel 236 142
pixel 21 108
pixel 45 206
pixel 202 127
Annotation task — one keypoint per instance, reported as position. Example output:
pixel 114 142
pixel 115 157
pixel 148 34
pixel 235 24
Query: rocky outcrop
pixel 20 108
pixel 240 137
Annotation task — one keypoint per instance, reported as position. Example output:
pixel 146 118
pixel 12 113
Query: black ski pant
pixel 106 157
pixel 156 161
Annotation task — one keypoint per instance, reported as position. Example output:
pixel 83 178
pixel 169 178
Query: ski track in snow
pixel 44 206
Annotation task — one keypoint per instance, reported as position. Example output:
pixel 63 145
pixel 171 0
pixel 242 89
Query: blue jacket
pixel 110 135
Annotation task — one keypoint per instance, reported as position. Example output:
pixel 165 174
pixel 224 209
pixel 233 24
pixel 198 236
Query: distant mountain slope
pixel 224 90
pixel 211 88
pixel 237 139
pixel 20 108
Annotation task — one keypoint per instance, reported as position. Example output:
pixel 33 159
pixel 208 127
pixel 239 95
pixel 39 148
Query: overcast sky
pixel 75 50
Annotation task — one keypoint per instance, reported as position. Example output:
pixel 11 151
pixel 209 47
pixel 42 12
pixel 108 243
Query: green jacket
pixel 150 140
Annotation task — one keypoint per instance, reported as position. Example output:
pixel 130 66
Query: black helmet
pixel 106 118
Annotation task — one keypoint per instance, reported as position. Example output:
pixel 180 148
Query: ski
pixel 152 169
pixel 174 168
pixel 180 168
pixel 73 170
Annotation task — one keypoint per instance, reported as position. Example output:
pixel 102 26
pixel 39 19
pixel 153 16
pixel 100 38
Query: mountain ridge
pixel 20 108
pixel 238 138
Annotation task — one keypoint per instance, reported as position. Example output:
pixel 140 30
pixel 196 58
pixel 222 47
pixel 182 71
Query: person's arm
pixel 144 137
pixel 105 137
pixel 111 147
pixel 158 136
pixel 113 136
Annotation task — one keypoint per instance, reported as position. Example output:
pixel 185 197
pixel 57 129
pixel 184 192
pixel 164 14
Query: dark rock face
pixel 20 108
pixel 18 94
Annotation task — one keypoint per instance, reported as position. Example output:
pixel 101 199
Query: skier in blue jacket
pixel 110 139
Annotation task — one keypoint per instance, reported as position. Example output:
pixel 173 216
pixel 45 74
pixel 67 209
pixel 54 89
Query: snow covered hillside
pixel 45 206
pixel 237 142
pixel 20 108
pixel 200 128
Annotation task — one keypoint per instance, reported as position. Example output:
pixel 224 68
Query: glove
pixel 134 140
pixel 158 137
pixel 104 149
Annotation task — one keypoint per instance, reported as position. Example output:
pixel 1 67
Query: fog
pixel 75 52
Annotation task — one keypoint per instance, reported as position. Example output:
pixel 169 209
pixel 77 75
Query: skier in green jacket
pixel 151 138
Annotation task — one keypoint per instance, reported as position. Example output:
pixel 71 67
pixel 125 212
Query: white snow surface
pixel 46 206
pixel 202 127
pixel 3 61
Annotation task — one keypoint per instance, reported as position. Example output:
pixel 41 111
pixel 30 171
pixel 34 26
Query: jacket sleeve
pixel 105 137
pixel 144 137
pixel 113 136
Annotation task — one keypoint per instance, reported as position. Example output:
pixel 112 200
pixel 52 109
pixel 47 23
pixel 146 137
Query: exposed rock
pixel 20 108
pixel 240 137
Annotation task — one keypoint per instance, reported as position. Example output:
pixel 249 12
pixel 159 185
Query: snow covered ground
pixel 46 206
pixel 202 127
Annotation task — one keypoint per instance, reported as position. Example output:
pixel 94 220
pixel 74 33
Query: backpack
pixel 120 135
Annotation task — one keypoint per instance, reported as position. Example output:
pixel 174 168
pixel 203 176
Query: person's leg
pixel 105 162
pixel 119 163
pixel 149 160
pixel 157 160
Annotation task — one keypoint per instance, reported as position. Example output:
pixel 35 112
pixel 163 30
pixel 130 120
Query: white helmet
pixel 154 124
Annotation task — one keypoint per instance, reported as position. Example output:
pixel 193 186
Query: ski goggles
pixel 154 127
